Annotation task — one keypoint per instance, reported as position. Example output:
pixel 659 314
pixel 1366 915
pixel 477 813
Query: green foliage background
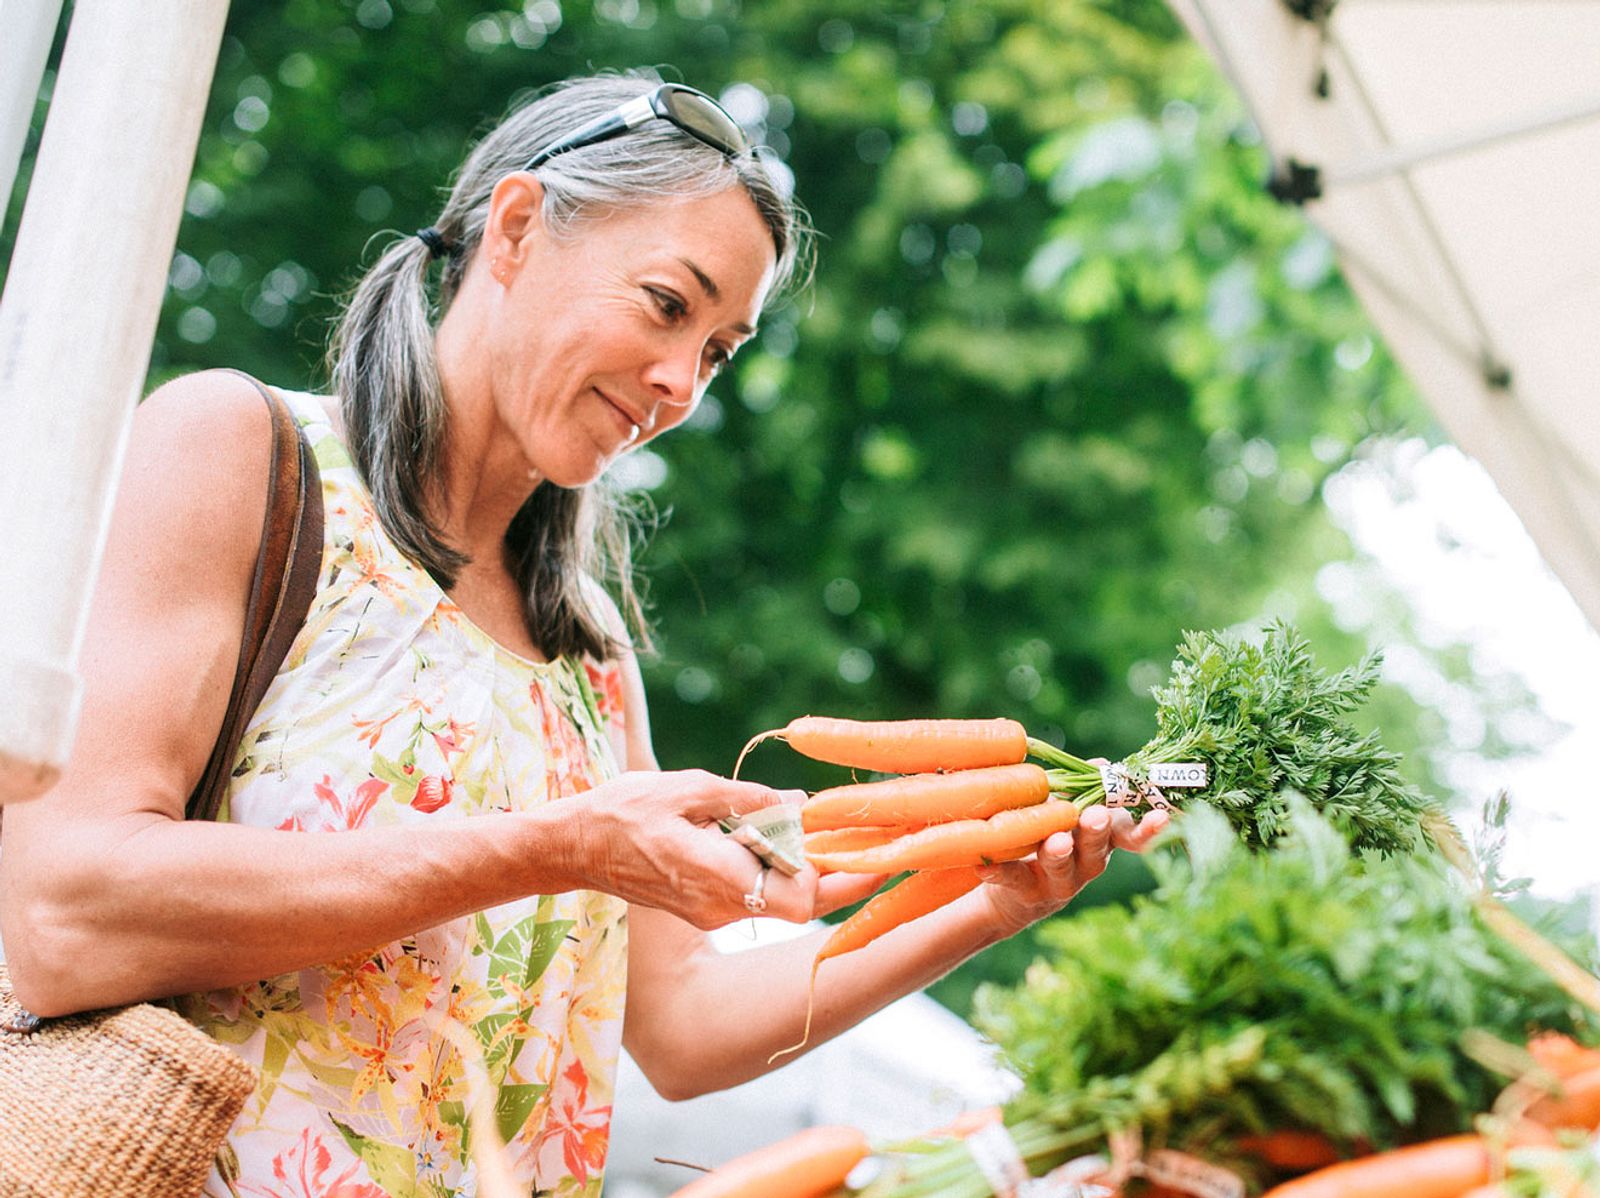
pixel 1067 383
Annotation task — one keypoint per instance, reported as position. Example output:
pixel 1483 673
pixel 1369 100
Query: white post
pixel 76 321
pixel 29 26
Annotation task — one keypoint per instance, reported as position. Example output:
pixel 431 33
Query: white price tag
pixel 1124 790
pixel 1191 1175
pixel 1078 1178
pixel 1119 788
pixel 1179 774
pixel 997 1158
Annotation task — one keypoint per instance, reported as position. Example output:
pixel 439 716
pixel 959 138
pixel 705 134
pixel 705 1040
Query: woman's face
pixel 608 337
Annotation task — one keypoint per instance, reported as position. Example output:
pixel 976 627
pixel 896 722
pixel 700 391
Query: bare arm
pixel 108 896
pixel 760 996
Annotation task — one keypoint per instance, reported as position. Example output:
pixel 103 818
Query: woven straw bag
pixel 130 1102
pixel 134 1102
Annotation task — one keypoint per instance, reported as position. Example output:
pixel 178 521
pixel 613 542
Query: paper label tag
pixel 773 834
pixel 1191 1175
pixel 1078 1178
pixel 998 1160
pixel 1120 789
pixel 1124 790
pixel 1179 774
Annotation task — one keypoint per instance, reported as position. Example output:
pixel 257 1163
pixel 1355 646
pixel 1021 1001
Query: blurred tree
pixel 1067 381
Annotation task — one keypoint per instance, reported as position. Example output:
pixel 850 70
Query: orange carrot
pixel 1446 1168
pixel 1562 1055
pixel 964 842
pixel 1297 1150
pixel 903 746
pixel 847 840
pixel 806 1165
pixel 915 897
pixel 927 798
pixel 1435 1169
pixel 1576 1105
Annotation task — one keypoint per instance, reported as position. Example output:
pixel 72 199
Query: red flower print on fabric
pixel 302 1173
pixel 433 793
pixel 583 1132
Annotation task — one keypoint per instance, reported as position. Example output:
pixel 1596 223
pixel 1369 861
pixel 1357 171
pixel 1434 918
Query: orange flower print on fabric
pixel 301 1172
pixel 564 746
pixel 452 737
pixel 580 1131
pixel 606 683
pixel 345 814
pixel 335 814
pixel 394 709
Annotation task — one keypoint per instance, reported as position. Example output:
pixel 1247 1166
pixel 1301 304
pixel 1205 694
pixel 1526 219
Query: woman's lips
pixel 625 419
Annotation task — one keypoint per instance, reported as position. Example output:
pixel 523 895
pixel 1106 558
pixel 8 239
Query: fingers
pixel 1023 892
pixel 1136 837
pixel 1058 853
pixel 791 898
pixel 706 797
pixel 1094 842
pixel 745 797
pixel 840 890
pixel 1068 861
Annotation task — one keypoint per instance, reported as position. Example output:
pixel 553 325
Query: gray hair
pixel 382 365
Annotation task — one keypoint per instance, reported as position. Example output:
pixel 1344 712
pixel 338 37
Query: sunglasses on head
pixel 696 113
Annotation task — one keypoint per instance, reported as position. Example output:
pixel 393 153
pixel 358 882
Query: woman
pixel 603 253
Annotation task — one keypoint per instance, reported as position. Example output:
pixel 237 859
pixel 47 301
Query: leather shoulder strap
pixel 281 590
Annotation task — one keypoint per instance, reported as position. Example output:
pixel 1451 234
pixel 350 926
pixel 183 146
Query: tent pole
pixel 76 322
pixel 30 27
pixel 1401 159
pixel 1219 49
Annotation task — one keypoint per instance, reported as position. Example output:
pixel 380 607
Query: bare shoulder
pixel 197 468
pixel 185 533
pixel 167 615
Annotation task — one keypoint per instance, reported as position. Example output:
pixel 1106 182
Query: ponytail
pixel 385 374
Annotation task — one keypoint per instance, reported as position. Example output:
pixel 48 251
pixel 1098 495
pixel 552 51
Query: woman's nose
pixel 676 378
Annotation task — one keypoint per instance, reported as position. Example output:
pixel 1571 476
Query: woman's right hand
pixel 653 839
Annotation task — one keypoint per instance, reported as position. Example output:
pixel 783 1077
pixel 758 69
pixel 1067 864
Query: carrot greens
pixel 1265 720
pixel 1305 986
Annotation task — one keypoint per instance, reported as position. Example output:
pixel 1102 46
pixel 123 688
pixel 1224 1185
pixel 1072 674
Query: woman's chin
pixel 570 476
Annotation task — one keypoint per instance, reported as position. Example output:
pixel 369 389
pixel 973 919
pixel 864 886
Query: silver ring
pixel 756 901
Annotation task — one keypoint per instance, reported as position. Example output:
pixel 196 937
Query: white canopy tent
pixel 1450 149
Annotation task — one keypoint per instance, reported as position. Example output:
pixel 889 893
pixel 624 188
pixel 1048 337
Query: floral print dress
pixel 393 708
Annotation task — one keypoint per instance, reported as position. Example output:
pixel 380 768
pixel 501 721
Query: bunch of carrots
pixel 965 797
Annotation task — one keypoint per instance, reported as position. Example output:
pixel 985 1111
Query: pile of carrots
pixel 815 1162
pixel 1466 1166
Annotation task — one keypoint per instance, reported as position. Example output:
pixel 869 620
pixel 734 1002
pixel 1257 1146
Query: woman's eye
pixel 670 305
pixel 718 358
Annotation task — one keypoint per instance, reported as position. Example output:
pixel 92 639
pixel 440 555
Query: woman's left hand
pixel 1024 892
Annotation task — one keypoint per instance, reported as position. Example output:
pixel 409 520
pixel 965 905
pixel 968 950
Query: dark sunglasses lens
pixel 705 119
